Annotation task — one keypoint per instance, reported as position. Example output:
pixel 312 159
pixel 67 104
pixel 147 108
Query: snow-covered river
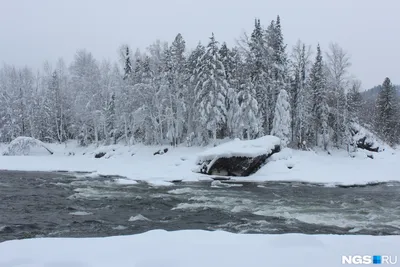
pixel 35 204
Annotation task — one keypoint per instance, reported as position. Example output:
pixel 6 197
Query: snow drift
pixel 238 158
pixel 194 248
pixel 24 146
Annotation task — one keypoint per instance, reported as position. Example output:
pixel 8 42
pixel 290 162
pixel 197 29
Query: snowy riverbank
pixel 138 163
pixel 195 248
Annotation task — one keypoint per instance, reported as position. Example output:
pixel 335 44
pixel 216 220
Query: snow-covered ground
pixel 138 163
pixel 195 249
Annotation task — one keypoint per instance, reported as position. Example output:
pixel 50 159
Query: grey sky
pixel 32 31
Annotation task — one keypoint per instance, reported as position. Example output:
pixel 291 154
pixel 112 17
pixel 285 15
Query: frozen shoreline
pixel 139 163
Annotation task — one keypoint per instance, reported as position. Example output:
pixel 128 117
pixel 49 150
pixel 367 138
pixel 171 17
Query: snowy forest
pixel 171 94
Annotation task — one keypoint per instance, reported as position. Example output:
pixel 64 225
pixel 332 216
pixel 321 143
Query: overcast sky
pixel 32 31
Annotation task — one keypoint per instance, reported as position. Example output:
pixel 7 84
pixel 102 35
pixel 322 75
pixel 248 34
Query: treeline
pixel 171 95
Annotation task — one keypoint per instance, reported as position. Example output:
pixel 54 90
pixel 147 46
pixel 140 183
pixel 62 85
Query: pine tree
pixel 386 117
pixel 282 119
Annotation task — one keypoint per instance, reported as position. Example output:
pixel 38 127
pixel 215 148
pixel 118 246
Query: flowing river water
pixel 39 204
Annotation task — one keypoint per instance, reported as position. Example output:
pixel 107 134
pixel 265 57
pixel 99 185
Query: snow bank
pixel 138 163
pixel 366 139
pixel 195 248
pixel 24 146
pixel 239 148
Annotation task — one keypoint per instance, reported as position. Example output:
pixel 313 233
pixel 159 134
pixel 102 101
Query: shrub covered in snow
pixel 23 146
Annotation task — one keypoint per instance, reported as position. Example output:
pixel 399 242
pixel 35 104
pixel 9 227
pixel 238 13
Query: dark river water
pixel 36 204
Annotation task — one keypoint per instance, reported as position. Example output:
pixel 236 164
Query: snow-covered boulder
pixel 238 158
pixel 100 155
pixel 161 152
pixel 104 151
pixel 24 146
pixel 365 139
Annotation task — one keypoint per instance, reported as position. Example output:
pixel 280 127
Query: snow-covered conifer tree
pixel 127 63
pixel 212 90
pixel 319 106
pixel 277 67
pixel 175 62
pixel 258 60
pixel 354 101
pixel 387 112
pixel 192 70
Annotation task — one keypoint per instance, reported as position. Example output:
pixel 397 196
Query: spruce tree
pixel 278 64
pixel 386 117
pixel 257 62
pixel 354 101
pixel 127 65
pixel 319 107
pixel 212 90
pixel 192 69
pixel 227 60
